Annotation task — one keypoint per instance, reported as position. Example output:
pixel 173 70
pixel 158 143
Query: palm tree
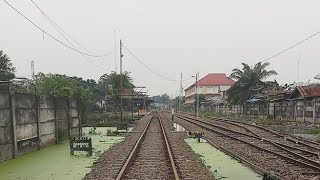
pixel 247 79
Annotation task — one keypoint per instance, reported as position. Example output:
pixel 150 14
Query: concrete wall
pixel 29 122
pixel 6 146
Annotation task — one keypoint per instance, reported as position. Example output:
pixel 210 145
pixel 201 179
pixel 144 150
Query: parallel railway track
pixel 299 157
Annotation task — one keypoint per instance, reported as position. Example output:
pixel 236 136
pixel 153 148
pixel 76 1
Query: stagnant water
pixel 54 162
pixel 221 165
pixel 178 127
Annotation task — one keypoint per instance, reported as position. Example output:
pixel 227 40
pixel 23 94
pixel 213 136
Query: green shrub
pixel 313 131
pixel 92 131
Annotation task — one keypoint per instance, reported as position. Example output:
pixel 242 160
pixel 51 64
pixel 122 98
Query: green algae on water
pixel 220 164
pixel 55 161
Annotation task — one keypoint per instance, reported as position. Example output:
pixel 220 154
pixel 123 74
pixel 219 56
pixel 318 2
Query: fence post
pixel 287 111
pixel 69 118
pixel 80 118
pixel 268 109
pixel 295 113
pixel 56 122
pixel 304 110
pixel 280 110
pixel 13 123
pixel 314 111
pixel 37 108
pixel 274 110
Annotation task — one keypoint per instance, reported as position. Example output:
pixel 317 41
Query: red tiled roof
pixel 216 79
pixel 309 91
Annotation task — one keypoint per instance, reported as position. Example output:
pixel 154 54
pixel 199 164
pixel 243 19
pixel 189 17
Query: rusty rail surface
pixel 135 150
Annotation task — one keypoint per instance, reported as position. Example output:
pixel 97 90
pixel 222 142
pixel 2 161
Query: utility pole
pixel 32 69
pixel 180 94
pixel 121 103
pixel 197 96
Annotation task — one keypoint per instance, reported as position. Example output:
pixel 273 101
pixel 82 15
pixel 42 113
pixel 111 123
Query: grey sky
pixel 169 36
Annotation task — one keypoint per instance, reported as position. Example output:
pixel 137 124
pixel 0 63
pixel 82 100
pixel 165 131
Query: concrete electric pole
pixel 121 103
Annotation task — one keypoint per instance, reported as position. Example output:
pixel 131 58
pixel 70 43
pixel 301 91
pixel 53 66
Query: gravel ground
pixel 111 161
pixel 265 160
pixel 188 164
pixel 152 161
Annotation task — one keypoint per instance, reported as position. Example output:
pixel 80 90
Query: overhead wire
pixel 151 70
pixel 285 50
pixel 48 34
pixel 60 30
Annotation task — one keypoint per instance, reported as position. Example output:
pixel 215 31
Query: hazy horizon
pixel 170 37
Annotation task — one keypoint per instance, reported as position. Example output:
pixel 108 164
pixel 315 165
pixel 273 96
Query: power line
pixel 147 66
pixel 58 28
pixel 141 62
pixel 283 51
pixel 56 39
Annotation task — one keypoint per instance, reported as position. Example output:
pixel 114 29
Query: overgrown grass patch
pixel 313 131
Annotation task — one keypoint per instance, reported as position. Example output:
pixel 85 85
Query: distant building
pixel 213 86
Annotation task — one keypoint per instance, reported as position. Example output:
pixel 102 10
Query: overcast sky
pixel 170 37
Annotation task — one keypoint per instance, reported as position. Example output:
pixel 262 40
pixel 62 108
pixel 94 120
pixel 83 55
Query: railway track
pixel 301 146
pixel 299 158
pixel 151 157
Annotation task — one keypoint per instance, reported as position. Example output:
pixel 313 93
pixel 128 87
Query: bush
pixel 92 131
pixel 313 131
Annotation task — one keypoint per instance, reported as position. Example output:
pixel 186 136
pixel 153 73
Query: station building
pixel 213 86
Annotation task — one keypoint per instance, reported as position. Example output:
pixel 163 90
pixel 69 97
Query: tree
pixel 247 79
pixel 113 79
pixel 7 69
pixel 161 99
pixel 61 85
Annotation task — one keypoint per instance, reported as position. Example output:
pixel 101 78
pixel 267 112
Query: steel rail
pixel 281 146
pixel 133 151
pixel 301 140
pixel 284 146
pixel 173 165
pixel 241 125
pixel 317 168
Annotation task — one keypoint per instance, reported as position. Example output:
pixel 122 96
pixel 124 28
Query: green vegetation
pixel 55 161
pixel 110 85
pixel 92 131
pixel 313 131
pixel 161 99
pixel 247 79
pixel 7 69
pixel 221 165
pixel 88 91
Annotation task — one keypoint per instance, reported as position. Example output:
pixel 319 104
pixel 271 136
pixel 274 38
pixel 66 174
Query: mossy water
pixel 55 161
pixel 221 165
